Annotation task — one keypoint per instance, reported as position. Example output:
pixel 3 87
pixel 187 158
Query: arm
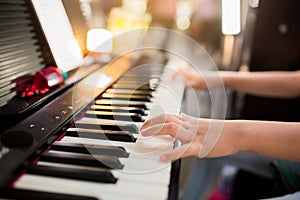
pixel 272 84
pixel 277 139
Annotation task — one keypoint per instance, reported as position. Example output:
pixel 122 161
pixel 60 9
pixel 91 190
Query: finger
pixel 164 118
pixel 188 120
pixel 172 129
pixel 179 152
pixel 161 129
pixel 178 72
pixel 184 72
pixel 174 75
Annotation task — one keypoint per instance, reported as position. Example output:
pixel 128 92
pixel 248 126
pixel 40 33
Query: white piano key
pixel 156 138
pixel 122 189
pixel 143 157
pixel 140 147
pixel 92 119
pixel 156 177
pixel 137 164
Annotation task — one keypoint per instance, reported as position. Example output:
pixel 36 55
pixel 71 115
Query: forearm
pixel 270 84
pixel 276 139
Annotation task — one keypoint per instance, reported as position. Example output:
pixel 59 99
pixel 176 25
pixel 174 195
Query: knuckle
pixel 168 117
pixel 163 117
pixel 173 127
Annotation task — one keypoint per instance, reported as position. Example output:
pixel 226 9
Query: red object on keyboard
pixel 44 80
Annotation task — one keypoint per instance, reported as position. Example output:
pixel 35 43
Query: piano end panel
pixel 174 181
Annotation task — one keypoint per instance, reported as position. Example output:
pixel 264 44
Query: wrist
pixel 228 78
pixel 236 134
pixel 243 140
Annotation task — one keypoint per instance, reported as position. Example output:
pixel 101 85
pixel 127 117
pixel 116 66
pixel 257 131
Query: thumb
pixel 177 74
pixel 174 75
pixel 179 152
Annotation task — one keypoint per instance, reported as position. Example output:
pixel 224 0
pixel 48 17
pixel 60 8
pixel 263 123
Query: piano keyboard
pixel 103 156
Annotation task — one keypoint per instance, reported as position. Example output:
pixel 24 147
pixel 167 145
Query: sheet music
pixel 59 33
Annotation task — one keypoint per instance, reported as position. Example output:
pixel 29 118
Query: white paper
pixel 59 33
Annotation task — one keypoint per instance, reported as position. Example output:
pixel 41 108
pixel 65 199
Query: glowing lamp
pixel 99 40
pixel 231 17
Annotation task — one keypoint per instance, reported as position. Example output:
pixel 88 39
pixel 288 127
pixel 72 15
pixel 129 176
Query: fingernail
pixel 143 127
pixel 144 133
pixel 145 122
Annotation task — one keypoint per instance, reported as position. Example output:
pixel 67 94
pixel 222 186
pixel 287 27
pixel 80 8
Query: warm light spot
pixel 228 50
pixel 254 3
pixel 99 40
pixel 183 22
pixel 231 17
pixel 137 6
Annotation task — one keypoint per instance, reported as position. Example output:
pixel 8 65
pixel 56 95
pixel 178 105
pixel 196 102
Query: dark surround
pixel 272 50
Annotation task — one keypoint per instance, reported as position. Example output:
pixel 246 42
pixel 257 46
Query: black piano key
pixel 111 126
pixel 22 194
pixel 129 92
pixel 103 176
pixel 141 76
pixel 114 116
pixel 144 70
pixel 133 81
pixel 139 79
pixel 118 109
pixel 110 162
pixel 126 97
pixel 121 103
pixel 146 87
pixel 120 136
pixel 90 149
pixel 139 85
